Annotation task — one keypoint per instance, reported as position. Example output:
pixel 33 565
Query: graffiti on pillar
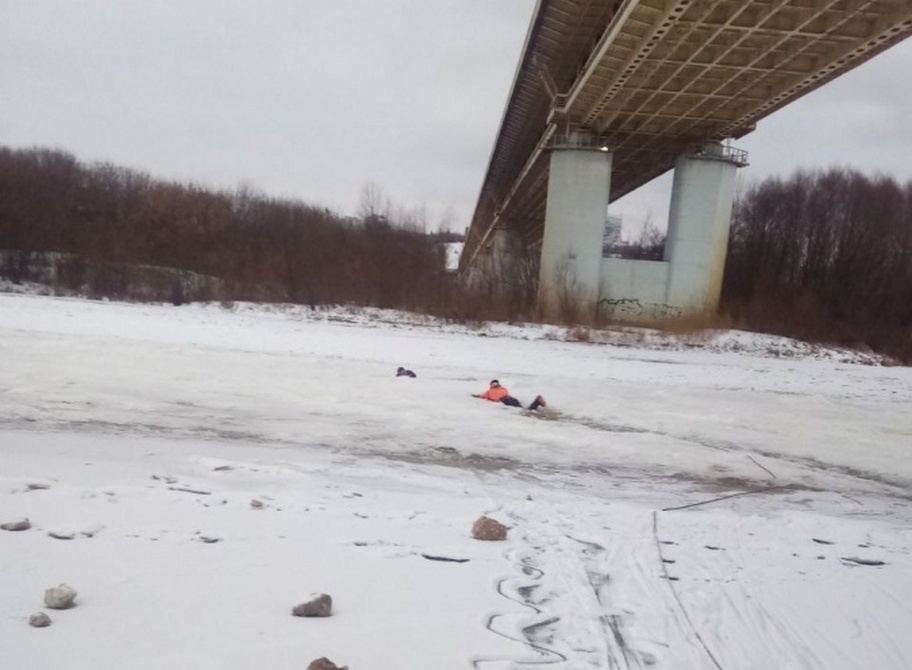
pixel 633 307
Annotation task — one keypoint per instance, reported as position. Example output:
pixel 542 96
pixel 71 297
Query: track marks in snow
pixel 768 592
pixel 729 613
pixel 579 588
pixel 528 625
pixel 706 587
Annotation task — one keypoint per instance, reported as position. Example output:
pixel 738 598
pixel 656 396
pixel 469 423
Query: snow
pixel 724 501
pixel 453 251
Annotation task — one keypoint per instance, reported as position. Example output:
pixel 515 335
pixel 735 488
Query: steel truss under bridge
pixel 650 79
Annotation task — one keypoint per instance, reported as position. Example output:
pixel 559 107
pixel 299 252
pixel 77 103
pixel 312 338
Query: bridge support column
pixel 494 271
pixel 698 223
pixel 504 249
pixel 501 268
pixel 575 214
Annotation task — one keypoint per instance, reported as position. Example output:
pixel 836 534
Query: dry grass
pixel 579 334
pixel 697 326
pixel 691 325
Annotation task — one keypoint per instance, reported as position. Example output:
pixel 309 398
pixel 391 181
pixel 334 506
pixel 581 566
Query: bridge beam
pixel 571 256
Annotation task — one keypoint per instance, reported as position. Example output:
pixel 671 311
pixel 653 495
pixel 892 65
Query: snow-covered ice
pixel 732 502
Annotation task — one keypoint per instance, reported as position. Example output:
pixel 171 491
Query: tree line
pixel 826 256
pixel 104 220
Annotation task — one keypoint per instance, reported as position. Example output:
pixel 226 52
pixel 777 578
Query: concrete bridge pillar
pixel 698 223
pixel 575 214
pixel 504 248
pixel 495 266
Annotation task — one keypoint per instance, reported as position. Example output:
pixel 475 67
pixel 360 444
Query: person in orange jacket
pixel 498 393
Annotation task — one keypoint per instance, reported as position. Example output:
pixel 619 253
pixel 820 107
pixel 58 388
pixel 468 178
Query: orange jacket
pixel 495 393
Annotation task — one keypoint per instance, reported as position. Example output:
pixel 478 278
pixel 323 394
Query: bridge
pixel 610 94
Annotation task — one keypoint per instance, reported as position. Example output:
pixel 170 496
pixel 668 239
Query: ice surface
pixel 709 503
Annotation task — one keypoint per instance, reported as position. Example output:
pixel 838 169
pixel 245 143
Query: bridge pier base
pixel 571 254
pixel 698 224
pixel 504 249
pixel 498 267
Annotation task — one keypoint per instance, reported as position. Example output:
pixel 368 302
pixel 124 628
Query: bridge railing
pixel 720 152
pixel 576 139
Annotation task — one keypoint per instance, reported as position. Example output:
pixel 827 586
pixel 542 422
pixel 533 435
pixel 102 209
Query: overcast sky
pixel 314 99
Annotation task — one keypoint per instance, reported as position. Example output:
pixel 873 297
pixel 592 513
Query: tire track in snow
pixel 674 592
pixel 744 605
pixel 519 590
pixel 740 622
pixel 594 558
pixel 733 598
pixel 566 588
pixel 751 608
pixel 629 598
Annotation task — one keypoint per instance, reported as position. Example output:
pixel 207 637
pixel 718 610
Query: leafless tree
pixel 825 255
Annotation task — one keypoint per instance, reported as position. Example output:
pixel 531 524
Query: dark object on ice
pixel 61 534
pixel 446 559
pixel 187 489
pixel 39 620
pixel 318 606
pixel 486 528
pixel 16 525
pixel 861 561
pixel 325 664
pixel 498 393
pixel 402 372
pixel 819 541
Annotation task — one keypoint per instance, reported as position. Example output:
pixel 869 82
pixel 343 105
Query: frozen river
pixel 675 507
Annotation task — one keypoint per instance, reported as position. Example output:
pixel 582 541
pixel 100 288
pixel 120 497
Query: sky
pixel 671 505
pixel 317 100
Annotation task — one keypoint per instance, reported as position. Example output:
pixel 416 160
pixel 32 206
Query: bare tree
pixel 825 255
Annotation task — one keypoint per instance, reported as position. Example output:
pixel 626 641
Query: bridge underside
pixel 650 79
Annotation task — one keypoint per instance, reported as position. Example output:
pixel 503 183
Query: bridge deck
pixel 651 78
